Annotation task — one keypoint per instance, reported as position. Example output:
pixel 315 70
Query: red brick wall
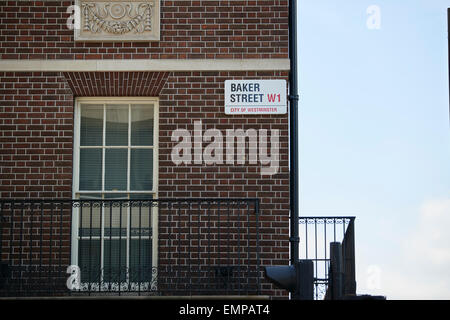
pixel 194 96
pixel 116 84
pixel 36 130
pixel 36 108
pixel 189 30
pixel 199 96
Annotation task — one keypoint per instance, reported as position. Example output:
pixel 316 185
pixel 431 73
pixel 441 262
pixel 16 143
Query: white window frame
pixel 153 194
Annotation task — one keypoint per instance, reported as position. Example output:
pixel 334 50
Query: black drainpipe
pixel 293 136
pixel 297 277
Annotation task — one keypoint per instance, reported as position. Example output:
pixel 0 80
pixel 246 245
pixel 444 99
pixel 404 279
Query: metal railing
pixel 129 247
pixel 316 235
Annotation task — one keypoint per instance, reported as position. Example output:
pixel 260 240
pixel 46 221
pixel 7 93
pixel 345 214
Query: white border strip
pixel 145 65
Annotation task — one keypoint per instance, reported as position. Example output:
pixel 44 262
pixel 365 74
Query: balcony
pixel 163 247
pixel 329 242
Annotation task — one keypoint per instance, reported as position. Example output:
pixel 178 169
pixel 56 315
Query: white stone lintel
pixel 145 65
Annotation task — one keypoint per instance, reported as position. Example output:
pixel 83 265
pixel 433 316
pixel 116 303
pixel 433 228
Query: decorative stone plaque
pixel 118 20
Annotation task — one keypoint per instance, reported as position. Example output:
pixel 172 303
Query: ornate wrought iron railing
pixel 129 247
pixel 316 235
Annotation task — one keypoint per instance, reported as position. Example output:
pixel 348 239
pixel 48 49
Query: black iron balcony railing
pixel 316 236
pixel 132 247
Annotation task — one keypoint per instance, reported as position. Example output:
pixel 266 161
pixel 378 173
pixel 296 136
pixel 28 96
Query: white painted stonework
pixel 118 20
pixel 145 65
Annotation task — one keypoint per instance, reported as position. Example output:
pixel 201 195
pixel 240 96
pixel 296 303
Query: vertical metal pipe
pixel 239 245
pixel 110 243
pixel 198 246
pixel 179 264
pixel 218 237
pixel 21 266
pixel 70 235
pixel 154 272
pixel 120 246
pixel 50 262
pixel 90 247
pixel 343 251
pixel 30 262
pixel 129 251
pixel 101 244
pixel 80 235
pixel 60 241
pixel 170 255
pixel 306 238
pixel 11 241
pixel 139 246
pixel 11 233
pixel 257 245
pixel 207 271
pixel 228 245
pixel 316 255
pixel 325 244
pixel 1 234
pixel 41 239
pixel 293 137
pixel 190 244
pixel 248 246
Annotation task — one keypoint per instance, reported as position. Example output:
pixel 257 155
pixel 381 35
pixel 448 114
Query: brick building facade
pixel 45 75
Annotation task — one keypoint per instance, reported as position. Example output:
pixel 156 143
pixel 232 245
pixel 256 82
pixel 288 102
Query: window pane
pixel 116 125
pixel 116 216
pixel 116 196
pixel 90 219
pixel 142 125
pixel 140 219
pixel 89 260
pixel 115 260
pixel 141 171
pixel 140 260
pixel 91 126
pixel 116 162
pixel 90 169
pixel 141 196
pixel 91 196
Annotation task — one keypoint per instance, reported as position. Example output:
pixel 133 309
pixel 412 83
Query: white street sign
pixel 255 97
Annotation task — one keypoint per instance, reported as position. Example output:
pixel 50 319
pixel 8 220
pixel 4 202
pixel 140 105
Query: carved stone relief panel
pixel 114 20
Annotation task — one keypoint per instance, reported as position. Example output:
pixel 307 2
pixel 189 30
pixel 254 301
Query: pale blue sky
pixel 375 138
